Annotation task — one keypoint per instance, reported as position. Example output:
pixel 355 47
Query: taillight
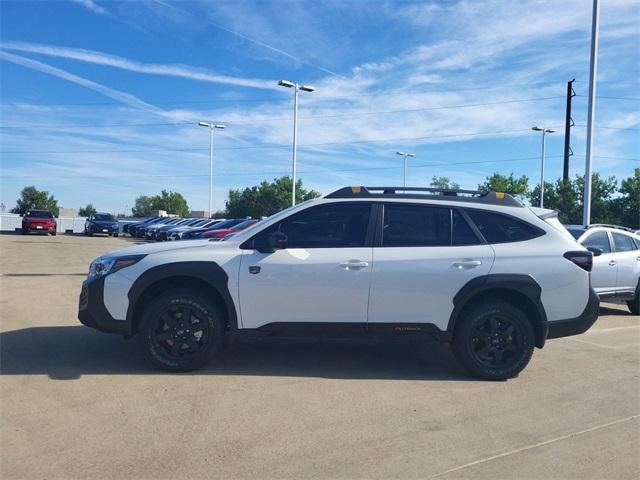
pixel 583 259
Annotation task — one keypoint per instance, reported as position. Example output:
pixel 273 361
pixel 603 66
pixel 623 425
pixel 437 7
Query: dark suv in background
pixel 101 223
pixel 38 221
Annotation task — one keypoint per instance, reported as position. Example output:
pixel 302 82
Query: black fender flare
pixel 209 273
pixel 521 283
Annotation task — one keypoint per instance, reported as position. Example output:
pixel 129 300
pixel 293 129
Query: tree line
pixel 611 202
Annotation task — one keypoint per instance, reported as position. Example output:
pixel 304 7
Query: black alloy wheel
pixel 494 341
pixel 181 330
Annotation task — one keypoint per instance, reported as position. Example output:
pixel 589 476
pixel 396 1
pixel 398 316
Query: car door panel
pixel 605 268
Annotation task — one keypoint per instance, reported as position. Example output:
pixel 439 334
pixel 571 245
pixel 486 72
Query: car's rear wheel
pixel 494 341
pixel 181 331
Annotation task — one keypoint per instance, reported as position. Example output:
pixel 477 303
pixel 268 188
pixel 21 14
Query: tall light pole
pixel 296 87
pixel 211 127
pixel 405 155
pixel 544 134
pixel 591 111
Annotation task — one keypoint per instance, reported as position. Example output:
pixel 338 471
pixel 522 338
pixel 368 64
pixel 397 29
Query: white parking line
pixel 612 329
pixel 536 445
pixel 601 345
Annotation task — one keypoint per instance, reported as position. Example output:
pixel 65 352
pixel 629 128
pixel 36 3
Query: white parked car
pixel 616 266
pixel 478 270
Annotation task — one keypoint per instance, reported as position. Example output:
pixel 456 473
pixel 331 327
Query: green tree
pixel 518 187
pixel 266 199
pixel 562 197
pixel 171 202
pixel 444 183
pixel 627 207
pixel 602 191
pixel 31 197
pixel 86 211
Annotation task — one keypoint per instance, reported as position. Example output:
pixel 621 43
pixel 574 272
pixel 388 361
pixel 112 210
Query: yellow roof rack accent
pixel 500 195
pixel 356 189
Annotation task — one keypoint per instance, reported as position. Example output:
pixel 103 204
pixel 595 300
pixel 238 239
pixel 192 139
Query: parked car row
pixel 175 228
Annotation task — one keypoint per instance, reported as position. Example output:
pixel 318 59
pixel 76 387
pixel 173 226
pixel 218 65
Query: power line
pixel 286 118
pixel 252 100
pixel 320 171
pixel 266 146
pixel 633 99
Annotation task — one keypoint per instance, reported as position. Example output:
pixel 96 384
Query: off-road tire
pixel 156 334
pixel 476 343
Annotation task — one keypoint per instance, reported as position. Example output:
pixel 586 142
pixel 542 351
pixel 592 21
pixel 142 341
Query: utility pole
pixel 568 123
pixel 595 20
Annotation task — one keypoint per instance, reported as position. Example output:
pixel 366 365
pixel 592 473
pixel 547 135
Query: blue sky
pixel 100 99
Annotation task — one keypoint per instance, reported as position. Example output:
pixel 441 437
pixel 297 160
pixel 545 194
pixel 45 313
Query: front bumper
pixel 103 229
pixel 579 324
pixel 93 313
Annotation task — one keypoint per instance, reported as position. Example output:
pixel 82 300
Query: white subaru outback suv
pixel 477 270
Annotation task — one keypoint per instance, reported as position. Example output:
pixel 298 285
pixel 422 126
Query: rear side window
pixel 623 243
pixel 416 226
pixel 498 228
pixel 39 214
pixel 599 240
pixel 462 234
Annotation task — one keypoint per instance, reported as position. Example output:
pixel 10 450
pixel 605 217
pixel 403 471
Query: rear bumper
pixel 579 324
pixel 93 313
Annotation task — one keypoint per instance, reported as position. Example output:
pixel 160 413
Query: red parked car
pixel 38 221
pixel 220 233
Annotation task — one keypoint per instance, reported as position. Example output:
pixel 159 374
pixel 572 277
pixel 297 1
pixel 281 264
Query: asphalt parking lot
pixel 76 403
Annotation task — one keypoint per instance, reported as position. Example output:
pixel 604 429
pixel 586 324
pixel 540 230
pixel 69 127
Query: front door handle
pixel 354 264
pixel 612 262
pixel 467 264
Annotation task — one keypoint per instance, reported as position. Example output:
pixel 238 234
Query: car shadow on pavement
pixel 623 310
pixel 68 352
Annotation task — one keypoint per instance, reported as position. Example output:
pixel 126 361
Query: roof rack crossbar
pixel 441 194
pixel 609 225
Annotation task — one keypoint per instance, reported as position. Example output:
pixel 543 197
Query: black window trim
pixel 380 225
pixel 540 232
pixel 368 239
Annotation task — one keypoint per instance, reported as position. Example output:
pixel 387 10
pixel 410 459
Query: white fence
pixel 11 222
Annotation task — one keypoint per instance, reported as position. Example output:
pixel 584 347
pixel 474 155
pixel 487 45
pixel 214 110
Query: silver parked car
pixel 616 263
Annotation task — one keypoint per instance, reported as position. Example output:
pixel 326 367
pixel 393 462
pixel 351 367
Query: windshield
pixel 104 217
pixel 39 214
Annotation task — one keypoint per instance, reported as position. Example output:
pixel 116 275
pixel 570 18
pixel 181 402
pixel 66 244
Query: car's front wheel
pixel 181 331
pixel 634 305
pixel 494 341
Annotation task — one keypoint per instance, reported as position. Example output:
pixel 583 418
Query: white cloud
pixel 93 6
pixel 99 58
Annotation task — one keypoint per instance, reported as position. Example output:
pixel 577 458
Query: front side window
pixel 416 226
pixel 336 225
pixel 496 228
pixel 598 240
pixel 623 243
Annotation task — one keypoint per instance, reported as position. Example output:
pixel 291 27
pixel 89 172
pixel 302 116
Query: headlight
pixel 104 266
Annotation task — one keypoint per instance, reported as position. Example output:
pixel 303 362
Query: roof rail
pixel 451 194
pixel 608 225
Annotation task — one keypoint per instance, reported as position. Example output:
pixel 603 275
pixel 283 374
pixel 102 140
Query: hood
pixel 150 248
pixel 104 222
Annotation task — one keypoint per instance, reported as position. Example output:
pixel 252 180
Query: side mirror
pixel 275 241
pixel 595 250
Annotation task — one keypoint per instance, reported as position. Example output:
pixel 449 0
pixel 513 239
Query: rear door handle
pixel 467 264
pixel 354 264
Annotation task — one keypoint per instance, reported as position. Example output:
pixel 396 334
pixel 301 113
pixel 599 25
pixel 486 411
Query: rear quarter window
pixel 499 228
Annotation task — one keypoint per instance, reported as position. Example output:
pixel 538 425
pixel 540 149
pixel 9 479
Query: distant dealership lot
pixel 78 403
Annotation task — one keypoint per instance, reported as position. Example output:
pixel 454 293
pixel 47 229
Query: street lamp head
pixel 400 153
pixel 221 127
pixel 411 155
pixel 286 83
pixel 306 88
pixel 548 130
pixel 204 124
pixel 537 129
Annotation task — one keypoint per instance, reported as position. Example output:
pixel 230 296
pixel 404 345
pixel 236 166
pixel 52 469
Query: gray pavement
pixel 76 403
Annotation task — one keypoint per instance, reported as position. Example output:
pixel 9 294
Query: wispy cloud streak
pixel 172 70
pixel 93 6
